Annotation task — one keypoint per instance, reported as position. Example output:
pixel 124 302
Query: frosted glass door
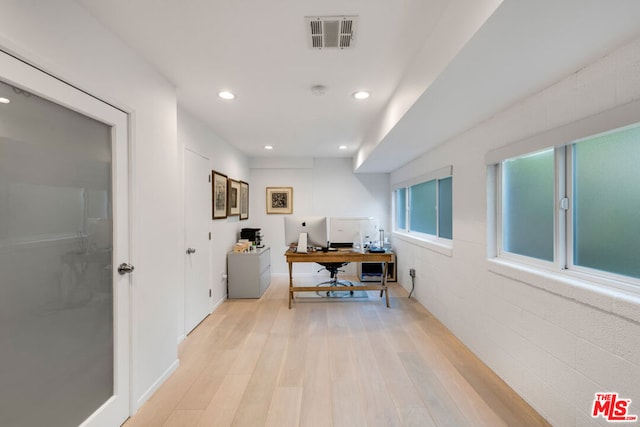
pixel 59 309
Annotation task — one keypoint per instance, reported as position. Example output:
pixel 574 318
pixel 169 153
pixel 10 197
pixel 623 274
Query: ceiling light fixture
pixel 268 147
pixel 4 100
pixel 225 94
pixel 361 94
pixel 318 90
pixel 342 147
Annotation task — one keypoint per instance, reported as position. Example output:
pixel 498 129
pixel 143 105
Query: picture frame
pixel 244 200
pixel 279 200
pixel 233 194
pixel 219 194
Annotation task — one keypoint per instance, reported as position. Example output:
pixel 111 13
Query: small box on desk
pixel 241 247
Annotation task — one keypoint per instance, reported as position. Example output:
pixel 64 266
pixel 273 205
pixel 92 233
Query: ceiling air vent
pixel 331 31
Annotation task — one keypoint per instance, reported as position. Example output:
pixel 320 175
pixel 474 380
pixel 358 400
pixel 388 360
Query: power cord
pixel 412 273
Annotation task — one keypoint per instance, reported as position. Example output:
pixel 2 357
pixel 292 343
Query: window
pixel 424 207
pixel 401 208
pixel 575 206
pixel 527 205
pixel 445 208
pixel 606 194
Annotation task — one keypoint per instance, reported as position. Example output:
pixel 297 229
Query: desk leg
pixel 385 288
pixel 290 283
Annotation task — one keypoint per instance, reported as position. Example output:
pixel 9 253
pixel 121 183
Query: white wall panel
pixel 196 136
pixel 62 38
pixel 555 342
pixel 321 186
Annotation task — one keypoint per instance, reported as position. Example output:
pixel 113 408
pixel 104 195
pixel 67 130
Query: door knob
pixel 125 268
pixel 190 251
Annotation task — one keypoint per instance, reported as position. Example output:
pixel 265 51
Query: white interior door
pixel 197 243
pixel 64 325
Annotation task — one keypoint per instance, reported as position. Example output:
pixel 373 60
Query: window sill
pixel 567 285
pixel 441 246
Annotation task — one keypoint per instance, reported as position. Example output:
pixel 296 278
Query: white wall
pixel 555 348
pixel 554 341
pixel 196 136
pixel 62 38
pixel 321 186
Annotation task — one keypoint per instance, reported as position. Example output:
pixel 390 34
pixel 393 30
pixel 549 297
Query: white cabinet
pixel 249 274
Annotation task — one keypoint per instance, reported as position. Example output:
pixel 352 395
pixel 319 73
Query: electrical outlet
pixel 412 272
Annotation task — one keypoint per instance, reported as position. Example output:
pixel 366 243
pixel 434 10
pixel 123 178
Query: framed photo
pixel 233 207
pixel 219 188
pixel 279 200
pixel 244 200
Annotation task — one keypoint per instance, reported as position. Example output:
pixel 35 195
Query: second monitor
pixel 350 231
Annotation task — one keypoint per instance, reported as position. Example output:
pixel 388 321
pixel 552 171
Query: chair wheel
pixel 328 293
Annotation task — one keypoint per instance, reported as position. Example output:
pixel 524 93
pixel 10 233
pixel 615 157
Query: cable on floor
pixel 412 273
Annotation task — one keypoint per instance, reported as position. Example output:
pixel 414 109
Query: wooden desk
pixel 339 256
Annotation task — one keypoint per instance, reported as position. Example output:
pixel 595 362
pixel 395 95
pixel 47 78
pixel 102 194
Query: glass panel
pixel 56 305
pixel 445 208
pixel 607 202
pixel 401 208
pixel 527 205
pixel 423 207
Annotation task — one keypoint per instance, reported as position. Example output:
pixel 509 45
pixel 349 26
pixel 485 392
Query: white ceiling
pixel 434 67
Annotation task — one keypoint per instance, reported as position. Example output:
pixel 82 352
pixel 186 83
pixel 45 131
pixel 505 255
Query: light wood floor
pixel 329 363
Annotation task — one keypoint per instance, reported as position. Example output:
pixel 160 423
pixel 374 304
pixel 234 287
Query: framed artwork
pixel 219 188
pixel 233 204
pixel 279 200
pixel 244 200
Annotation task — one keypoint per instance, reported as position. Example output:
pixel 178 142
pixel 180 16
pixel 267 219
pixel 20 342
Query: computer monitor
pixel 314 226
pixel 344 231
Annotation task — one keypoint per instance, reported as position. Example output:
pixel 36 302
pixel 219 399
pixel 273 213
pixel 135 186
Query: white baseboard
pixel 219 303
pixel 154 387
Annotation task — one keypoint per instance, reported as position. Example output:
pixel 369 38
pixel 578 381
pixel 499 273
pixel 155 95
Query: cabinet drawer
pixel 265 260
pixel 265 280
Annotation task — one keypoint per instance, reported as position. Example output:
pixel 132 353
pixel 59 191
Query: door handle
pixel 125 268
pixel 191 251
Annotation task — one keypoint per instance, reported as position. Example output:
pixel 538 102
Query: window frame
pixel 394 209
pixel 559 221
pixel 601 276
pixel 407 233
pixel 409 210
pixel 563 141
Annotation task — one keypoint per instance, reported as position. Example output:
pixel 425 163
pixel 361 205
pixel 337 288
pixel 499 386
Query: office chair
pixel 333 268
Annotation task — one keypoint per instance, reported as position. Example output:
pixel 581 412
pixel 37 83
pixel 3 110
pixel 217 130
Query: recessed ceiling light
pixel 342 147
pixel 268 147
pixel 4 100
pixel 361 94
pixel 225 94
